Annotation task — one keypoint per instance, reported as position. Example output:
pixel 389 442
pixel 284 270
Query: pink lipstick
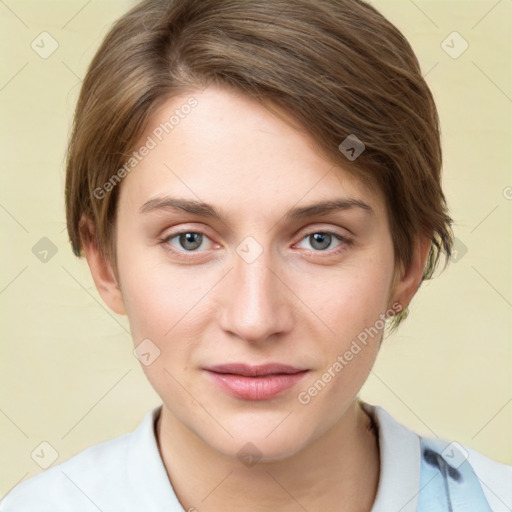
pixel 260 382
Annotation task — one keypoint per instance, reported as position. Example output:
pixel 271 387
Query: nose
pixel 257 304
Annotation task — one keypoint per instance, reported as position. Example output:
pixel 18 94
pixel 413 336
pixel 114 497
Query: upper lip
pixel 247 370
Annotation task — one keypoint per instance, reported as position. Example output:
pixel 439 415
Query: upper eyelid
pixel 304 230
pixel 175 229
pixel 330 231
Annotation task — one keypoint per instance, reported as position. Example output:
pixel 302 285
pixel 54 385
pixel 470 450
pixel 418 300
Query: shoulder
pixel 495 479
pixel 102 477
pixel 402 460
pixel 69 485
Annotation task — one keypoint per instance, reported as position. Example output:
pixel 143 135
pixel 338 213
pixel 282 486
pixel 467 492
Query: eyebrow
pixel 207 210
pixel 326 207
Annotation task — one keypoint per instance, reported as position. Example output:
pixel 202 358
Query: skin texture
pixel 296 304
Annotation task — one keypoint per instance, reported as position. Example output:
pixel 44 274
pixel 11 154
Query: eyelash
pixel 345 243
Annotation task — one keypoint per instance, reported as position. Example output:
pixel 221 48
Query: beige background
pixel 68 375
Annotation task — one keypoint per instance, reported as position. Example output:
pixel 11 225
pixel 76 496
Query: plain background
pixel 68 374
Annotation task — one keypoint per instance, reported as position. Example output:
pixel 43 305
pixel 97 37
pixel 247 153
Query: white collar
pixel 399 449
pixel 399 464
pixel 145 464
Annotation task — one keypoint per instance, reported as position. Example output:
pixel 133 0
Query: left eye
pixel 320 241
pixel 188 240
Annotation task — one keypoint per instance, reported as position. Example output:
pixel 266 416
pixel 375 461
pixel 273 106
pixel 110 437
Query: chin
pixel 254 449
pixel 260 438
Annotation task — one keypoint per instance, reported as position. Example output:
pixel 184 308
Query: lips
pixel 261 382
pixel 255 371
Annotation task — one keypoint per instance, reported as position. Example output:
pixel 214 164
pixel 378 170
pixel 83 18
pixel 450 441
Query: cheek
pixel 352 303
pixel 352 309
pixel 349 299
pixel 165 304
pixel 166 319
pixel 153 297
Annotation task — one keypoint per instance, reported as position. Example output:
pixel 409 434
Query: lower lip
pixel 256 388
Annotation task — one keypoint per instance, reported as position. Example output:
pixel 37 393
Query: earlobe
pixel 101 269
pixel 406 285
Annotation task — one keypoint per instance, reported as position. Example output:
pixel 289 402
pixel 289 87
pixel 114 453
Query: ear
pixel 101 269
pixel 406 285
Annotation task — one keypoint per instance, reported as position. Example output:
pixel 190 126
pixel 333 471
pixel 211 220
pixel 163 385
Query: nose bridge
pixel 256 306
pixel 256 279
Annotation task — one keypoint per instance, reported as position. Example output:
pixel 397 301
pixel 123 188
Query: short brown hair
pixel 337 66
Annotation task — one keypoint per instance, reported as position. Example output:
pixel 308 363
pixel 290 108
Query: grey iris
pixel 323 239
pixel 191 241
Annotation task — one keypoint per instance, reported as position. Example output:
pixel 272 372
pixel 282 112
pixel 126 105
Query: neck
pixel 339 470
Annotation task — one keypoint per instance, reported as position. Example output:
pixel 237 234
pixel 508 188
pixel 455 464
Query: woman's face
pixel 262 277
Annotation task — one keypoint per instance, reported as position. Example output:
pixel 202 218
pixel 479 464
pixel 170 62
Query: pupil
pixel 324 240
pixel 191 240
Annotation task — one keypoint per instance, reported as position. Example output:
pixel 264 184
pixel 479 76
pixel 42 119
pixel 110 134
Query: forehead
pixel 222 147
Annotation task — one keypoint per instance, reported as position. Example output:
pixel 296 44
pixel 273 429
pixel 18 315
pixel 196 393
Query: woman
pixel 256 185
